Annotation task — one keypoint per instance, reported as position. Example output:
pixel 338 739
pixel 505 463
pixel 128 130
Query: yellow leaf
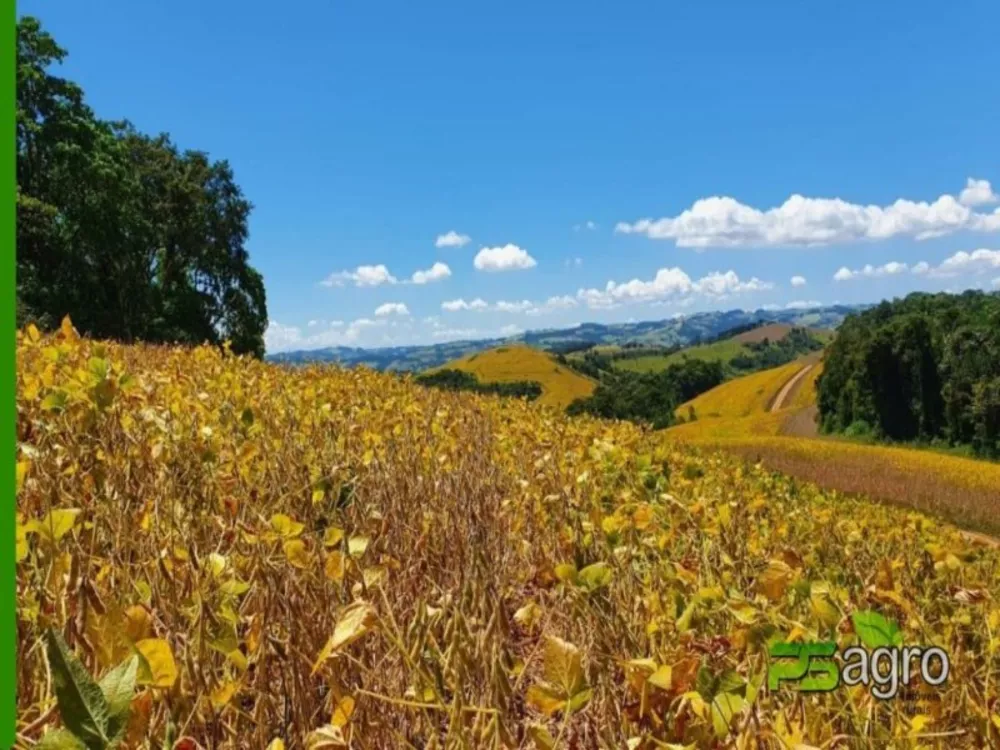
pixel 343 711
pixel 161 670
pixel 33 335
pixel 541 736
pixel 67 330
pixel 216 564
pixel 56 524
pixel 356 620
pixel 332 536
pixel 335 567
pixel 661 678
pixel 221 696
pixel 528 616
pixel 773 582
pixel 563 665
pixel 325 738
pixel 297 553
pixel 137 623
pixel 357 545
pixel 276 744
pixel 285 526
pixel 22 472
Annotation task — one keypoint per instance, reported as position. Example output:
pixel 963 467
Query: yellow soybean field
pixel 328 558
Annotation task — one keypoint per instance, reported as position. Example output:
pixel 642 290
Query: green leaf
pixel 60 739
pixel 876 631
pixel 118 687
pixel 82 705
pixel 725 706
pixel 595 576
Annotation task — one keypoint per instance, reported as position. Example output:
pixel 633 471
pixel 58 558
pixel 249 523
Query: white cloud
pixel 506 258
pixel 721 221
pixel 920 268
pixel 278 337
pixel 590 226
pixel 435 273
pixel 563 302
pixel 798 280
pixel 511 330
pixel 668 284
pixel 455 333
pixel 977 262
pixel 892 268
pixel 460 304
pixel 977 193
pixel 996 282
pixel 361 276
pixel 391 308
pixel 573 262
pixel 452 239
pixel 513 307
pixel 800 304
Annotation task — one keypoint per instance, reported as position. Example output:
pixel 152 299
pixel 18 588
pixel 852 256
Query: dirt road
pixel 786 389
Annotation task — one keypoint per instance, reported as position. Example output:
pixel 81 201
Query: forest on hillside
pixel 132 237
pixel 924 368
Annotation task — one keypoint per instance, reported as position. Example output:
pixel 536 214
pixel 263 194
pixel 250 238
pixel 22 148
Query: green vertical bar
pixel 8 375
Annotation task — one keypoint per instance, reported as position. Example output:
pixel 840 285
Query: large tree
pixel 131 237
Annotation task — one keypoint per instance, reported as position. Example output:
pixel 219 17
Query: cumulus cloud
pixel 460 304
pixel 452 239
pixel 977 193
pixel 361 276
pixel 279 337
pixel 454 333
pixel 669 284
pixel 964 263
pixel 892 268
pixel 920 268
pixel 506 258
pixel 590 226
pixel 798 280
pixel 391 308
pixel 435 273
pixel 721 221
pixel 513 307
pixel 800 304
pixel 511 330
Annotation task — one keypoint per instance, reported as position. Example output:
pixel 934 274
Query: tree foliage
pixel 132 237
pixel 649 397
pixel 459 380
pixel 924 368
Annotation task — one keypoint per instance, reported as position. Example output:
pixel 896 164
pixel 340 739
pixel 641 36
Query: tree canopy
pixel 923 368
pixel 132 237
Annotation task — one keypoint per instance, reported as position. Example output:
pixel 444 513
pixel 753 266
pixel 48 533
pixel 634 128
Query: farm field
pixel 560 384
pixel 737 416
pixel 338 558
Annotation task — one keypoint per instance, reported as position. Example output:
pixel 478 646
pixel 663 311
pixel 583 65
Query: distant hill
pixel 724 350
pixel 505 364
pixel 679 331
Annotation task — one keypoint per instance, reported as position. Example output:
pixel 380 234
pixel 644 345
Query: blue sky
pixel 605 162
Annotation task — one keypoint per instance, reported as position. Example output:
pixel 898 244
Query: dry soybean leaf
pixel 332 536
pixel 160 669
pixel 541 736
pixel 297 553
pixel 276 744
pixel 356 620
pixel 335 567
pixel 325 738
pixel 221 696
pixel 773 582
pixel 357 546
pixel 343 711
pixel 284 526
pixel 528 616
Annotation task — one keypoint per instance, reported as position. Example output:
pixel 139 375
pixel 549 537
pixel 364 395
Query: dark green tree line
pixel 924 368
pixel 133 238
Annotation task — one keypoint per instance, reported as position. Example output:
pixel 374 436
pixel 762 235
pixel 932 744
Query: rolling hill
pixel 560 384
pixel 681 330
